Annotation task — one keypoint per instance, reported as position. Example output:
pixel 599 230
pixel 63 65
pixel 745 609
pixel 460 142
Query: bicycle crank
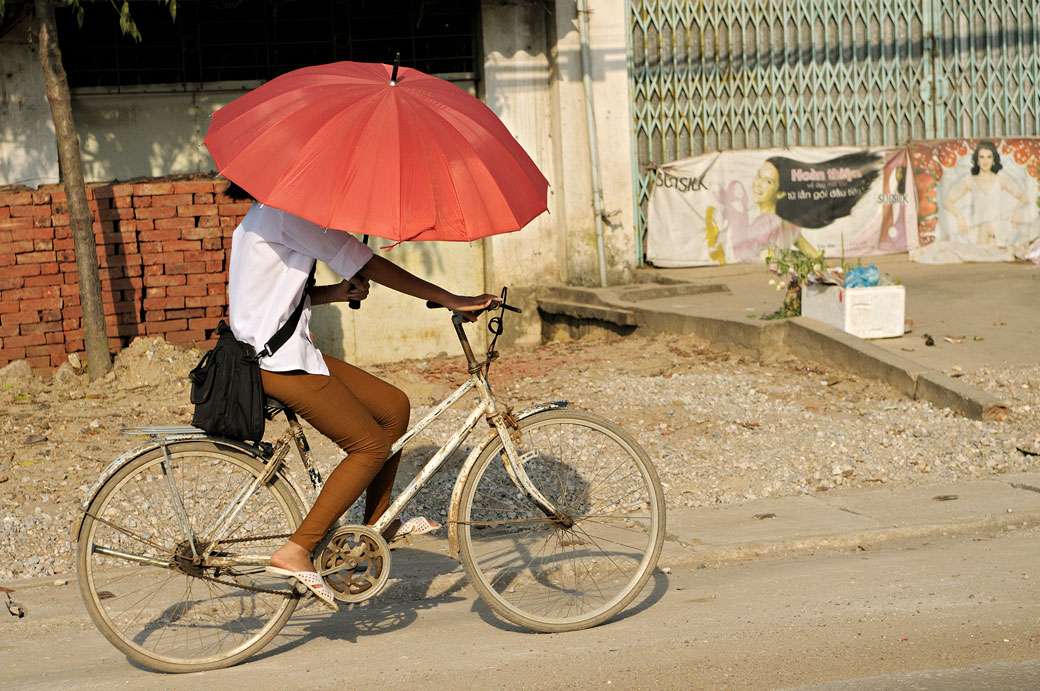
pixel 355 562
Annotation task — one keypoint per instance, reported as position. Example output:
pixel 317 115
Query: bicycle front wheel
pixel 152 578
pixel 586 563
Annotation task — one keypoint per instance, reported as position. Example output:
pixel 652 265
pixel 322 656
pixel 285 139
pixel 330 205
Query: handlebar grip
pixel 431 305
pixel 354 304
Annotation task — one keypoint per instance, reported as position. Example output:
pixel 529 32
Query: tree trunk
pixel 81 221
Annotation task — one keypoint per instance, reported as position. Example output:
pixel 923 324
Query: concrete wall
pixel 28 153
pixel 609 76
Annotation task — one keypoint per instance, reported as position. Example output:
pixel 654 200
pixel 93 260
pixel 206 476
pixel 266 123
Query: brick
pixel 26 341
pixel 41 329
pixel 212 244
pixel 41 196
pixel 171 223
pixel 17 246
pixel 15 198
pixel 16 223
pixel 58 196
pixel 158 235
pixel 159 258
pixel 164 326
pixel 20 318
pixel 202 233
pixel 9 330
pixel 56 337
pixel 181 246
pixel 211 267
pixel 56 280
pixel 116 214
pixel 141 202
pixel 11 354
pixel 7 259
pixel 127 284
pixel 208 222
pixel 207 256
pixel 36 258
pixel 185 313
pixel 172 200
pixel 186 337
pixel 192 289
pixel 193 187
pixel 205 301
pixel 186 268
pixel 30 211
pixel 152 188
pixel 37 234
pixel 155 212
pixel 51 316
pixel 41 362
pixel 159 292
pixel 33 293
pixel 163 303
pixel 44 244
pixel 235 209
pixel 203 199
pixel 23 270
pixel 36 304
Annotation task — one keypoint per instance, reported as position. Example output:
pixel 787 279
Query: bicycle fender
pixel 115 465
pixel 467 466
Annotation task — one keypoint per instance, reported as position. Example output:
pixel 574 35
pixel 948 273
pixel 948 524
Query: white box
pixel 877 312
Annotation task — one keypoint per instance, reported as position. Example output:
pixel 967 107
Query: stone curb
pixel 802 337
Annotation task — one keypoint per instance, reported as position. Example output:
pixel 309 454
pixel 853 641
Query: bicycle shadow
pixel 393 609
pixel 640 604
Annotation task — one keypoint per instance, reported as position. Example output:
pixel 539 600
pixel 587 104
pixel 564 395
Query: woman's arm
pixel 392 276
pixel 354 289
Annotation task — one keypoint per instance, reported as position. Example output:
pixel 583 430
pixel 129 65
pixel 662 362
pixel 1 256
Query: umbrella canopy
pixel 363 148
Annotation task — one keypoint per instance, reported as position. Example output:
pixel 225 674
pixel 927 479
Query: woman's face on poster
pixel 766 183
pixel 985 158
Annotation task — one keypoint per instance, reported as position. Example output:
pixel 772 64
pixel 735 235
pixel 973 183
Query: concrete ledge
pixel 577 310
pixel 814 340
pixel 954 394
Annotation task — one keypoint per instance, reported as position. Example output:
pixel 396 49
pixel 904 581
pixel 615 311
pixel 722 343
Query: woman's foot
pixel 420 525
pixel 293 561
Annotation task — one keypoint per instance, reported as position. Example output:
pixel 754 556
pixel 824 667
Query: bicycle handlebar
pixel 493 306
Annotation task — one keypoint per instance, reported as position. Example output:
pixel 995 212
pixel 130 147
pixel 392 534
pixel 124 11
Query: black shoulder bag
pixel 225 386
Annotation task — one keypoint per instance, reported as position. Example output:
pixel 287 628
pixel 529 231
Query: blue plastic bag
pixel 862 277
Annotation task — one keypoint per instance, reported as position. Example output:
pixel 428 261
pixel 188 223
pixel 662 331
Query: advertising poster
pixel 978 199
pixel 730 207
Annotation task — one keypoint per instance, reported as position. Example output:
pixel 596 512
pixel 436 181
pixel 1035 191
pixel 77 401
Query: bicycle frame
pixel 502 421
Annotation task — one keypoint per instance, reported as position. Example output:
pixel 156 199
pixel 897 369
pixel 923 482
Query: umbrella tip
pixel 397 63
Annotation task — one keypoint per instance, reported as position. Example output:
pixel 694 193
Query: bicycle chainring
pixel 355 562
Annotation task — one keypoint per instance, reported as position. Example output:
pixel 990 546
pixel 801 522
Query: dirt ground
pixel 720 429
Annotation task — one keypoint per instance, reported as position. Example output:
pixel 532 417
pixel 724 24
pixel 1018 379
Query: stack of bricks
pixel 162 249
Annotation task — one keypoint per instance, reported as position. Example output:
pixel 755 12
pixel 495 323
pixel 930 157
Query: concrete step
pixel 580 310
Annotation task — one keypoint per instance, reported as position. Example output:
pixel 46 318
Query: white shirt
pixel 272 253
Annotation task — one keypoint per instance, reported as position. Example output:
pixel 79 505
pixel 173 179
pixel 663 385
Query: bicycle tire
pixel 537 572
pixel 178 617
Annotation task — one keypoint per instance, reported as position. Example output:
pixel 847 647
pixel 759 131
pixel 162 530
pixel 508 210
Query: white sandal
pixel 314 583
pixel 420 525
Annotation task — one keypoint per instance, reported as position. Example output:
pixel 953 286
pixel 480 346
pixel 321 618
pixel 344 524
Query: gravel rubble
pixel 720 429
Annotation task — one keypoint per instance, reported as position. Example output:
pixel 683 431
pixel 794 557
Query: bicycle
pixel 557 517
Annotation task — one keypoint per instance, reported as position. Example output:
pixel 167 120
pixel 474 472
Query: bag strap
pixel 286 330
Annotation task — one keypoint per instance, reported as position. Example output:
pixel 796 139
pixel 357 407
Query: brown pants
pixel 364 416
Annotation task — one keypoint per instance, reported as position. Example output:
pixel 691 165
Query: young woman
pixel 989 224
pixel 272 254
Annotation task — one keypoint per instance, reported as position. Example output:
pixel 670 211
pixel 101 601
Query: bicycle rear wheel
pixel 139 575
pixel 587 564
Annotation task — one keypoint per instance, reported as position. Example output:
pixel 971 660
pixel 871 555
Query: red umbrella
pixel 359 147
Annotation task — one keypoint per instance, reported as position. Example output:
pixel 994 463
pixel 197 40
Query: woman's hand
pixel 470 306
pixel 357 288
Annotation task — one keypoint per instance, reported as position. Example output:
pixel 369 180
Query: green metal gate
pixel 730 74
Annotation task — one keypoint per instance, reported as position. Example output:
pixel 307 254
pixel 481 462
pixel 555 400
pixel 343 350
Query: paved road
pixel 911 609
